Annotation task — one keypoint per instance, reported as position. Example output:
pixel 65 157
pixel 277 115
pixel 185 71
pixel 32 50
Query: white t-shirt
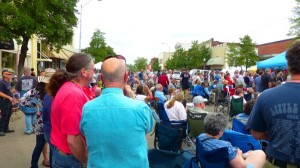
pixel 177 112
pixel 140 97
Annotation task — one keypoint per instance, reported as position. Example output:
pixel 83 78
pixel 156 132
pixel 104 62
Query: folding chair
pixel 242 141
pixel 168 134
pixel 236 106
pixel 238 126
pixel 196 124
pixel 215 158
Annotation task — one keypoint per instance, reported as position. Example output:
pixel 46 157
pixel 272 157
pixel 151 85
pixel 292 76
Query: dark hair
pixel 75 63
pixel 139 90
pixel 293 57
pixel 248 107
pixel 41 90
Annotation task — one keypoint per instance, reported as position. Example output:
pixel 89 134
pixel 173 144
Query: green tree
pixel 155 65
pixel 51 21
pixel 295 21
pixel 98 47
pixel 131 67
pixel 242 54
pixel 140 63
pixel 193 58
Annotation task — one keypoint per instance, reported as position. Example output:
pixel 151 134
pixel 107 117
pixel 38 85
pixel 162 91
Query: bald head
pixel 113 70
pixel 26 71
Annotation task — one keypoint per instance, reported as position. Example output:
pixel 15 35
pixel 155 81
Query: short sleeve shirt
pixel 212 144
pixel 185 80
pixel 66 112
pixel 115 127
pixel 279 115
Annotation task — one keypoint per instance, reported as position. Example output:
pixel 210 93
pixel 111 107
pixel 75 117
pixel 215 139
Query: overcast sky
pixel 137 28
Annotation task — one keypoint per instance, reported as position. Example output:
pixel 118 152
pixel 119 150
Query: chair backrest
pixel 168 138
pixel 236 106
pixel 242 141
pixel 238 126
pixel 214 158
pixel 163 114
pixel 196 123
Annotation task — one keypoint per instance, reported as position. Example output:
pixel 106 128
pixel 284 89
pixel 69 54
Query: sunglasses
pixel 115 56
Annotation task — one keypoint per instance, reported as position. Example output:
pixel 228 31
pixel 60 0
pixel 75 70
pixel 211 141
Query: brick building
pixel 271 49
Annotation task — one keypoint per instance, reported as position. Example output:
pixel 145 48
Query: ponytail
pixel 171 103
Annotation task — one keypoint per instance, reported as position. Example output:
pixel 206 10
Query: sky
pixel 146 28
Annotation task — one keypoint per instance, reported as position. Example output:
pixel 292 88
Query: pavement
pixel 16 148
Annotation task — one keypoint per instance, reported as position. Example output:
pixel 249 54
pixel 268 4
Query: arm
pixel 77 147
pixel 238 161
pixel 6 97
pixel 150 96
pixel 259 135
pixel 129 92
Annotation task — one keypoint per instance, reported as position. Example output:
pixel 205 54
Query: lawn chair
pixel 243 141
pixel 196 125
pixel 217 158
pixel 238 126
pixel 168 134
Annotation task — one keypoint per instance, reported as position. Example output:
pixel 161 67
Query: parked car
pixel 176 75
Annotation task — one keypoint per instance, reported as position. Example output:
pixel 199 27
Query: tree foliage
pixel 98 47
pixel 50 21
pixel 155 65
pixel 295 21
pixel 242 54
pixel 140 63
pixel 192 58
pixel 131 67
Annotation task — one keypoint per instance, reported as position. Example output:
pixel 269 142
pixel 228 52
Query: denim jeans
pixel 40 143
pixel 29 121
pixel 47 138
pixel 62 161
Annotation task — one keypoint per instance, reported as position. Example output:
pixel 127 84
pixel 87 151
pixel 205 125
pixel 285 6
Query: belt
pixel 282 164
pixel 61 152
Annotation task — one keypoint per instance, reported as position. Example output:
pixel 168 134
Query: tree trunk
pixel 23 54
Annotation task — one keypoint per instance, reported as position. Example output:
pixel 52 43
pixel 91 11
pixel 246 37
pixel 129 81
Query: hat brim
pixel 45 80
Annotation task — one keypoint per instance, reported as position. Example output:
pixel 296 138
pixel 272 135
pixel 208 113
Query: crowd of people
pixel 89 119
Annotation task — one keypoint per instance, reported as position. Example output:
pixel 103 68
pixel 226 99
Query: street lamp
pixel 204 63
pixel 81 6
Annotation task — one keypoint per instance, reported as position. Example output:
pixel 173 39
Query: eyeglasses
pixel 115 56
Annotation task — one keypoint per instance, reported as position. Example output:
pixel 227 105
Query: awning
pixel 216 61
pixel 64 54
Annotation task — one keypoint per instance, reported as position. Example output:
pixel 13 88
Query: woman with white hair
pixel 214 126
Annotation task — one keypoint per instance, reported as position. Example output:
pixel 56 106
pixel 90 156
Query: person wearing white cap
pixel 199 105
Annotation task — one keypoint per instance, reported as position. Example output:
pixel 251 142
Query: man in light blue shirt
pixel 114 125
pixel 160 94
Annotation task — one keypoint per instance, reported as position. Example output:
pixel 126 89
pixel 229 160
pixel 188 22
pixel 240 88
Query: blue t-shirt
pixel 46 114
pixel 213 143
pixel 160 95
pixel 141 75
pixel 276 111
pixel 199 91
pixel 115 127
pixel 5 88
pixel 258 84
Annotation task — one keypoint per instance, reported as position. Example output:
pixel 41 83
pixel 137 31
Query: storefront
pixel 8 55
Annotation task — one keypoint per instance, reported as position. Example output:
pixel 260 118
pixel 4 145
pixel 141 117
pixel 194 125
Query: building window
pixel 9 60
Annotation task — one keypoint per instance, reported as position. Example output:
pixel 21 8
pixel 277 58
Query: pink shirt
pixel 66 112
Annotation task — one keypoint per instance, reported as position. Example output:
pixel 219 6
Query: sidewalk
pixel 16 148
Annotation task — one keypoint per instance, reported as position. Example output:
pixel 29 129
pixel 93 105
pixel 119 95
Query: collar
pixel 112 90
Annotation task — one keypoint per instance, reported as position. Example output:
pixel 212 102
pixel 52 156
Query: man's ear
pixel 83 72
pixel 126 76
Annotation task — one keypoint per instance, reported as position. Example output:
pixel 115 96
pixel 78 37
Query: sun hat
pixel 48 74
